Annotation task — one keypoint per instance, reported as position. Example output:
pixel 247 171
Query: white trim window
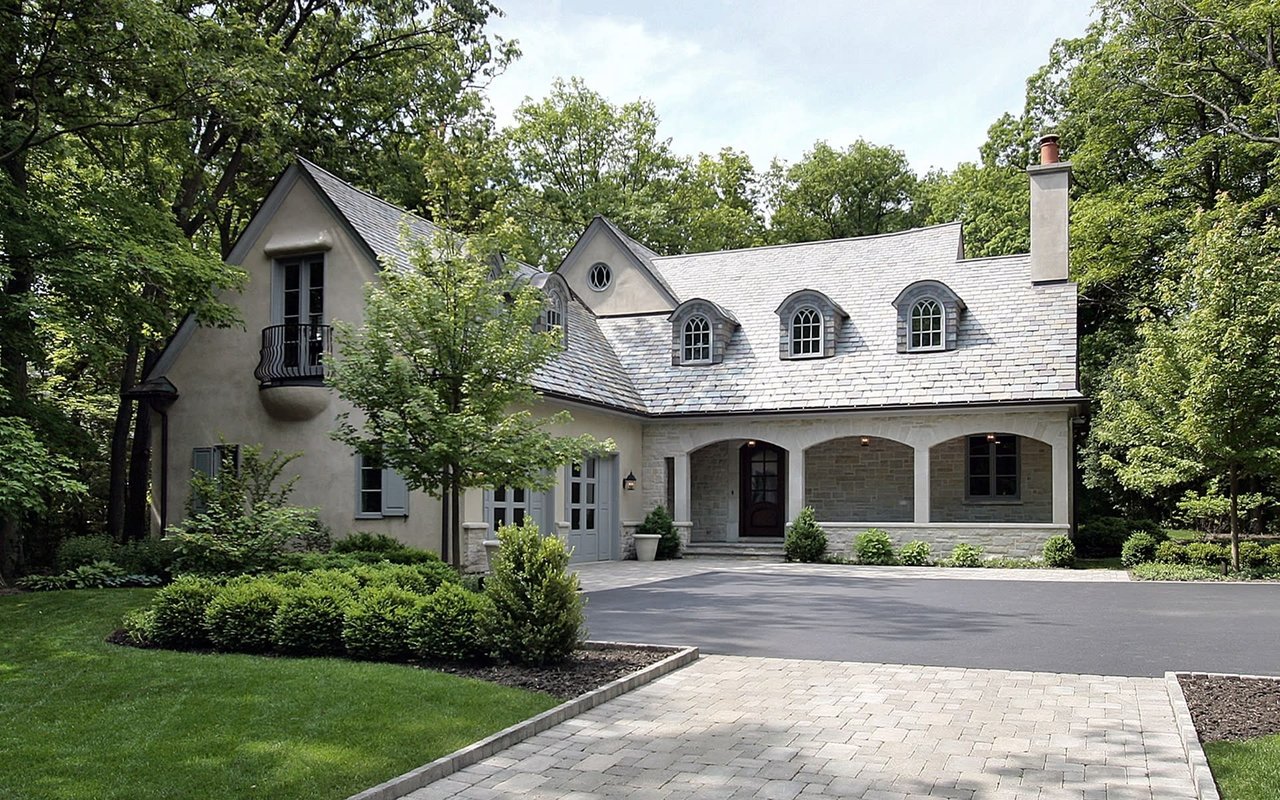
pixel 806 332
pixel 928 321
pixel 697 340
pixel 600 276
pixel 380 491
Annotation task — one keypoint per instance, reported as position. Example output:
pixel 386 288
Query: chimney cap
pixel 1049 148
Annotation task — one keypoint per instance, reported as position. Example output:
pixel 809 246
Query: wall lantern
pixel 865 441
pixel 629 482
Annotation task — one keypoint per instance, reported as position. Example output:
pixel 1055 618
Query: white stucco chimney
pixel 1050 184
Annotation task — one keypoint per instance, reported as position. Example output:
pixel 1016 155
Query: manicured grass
pixel 1248 770
pixel 87 719
pixel 1183 535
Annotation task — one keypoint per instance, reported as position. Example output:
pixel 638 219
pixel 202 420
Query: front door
pixel 762 469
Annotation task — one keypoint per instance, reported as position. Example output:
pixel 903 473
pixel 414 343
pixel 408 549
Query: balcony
pixel 291 369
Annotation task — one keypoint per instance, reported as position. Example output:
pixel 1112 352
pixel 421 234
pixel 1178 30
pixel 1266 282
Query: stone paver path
pixel 736 727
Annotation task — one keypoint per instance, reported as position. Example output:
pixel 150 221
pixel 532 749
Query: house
pixel 886 381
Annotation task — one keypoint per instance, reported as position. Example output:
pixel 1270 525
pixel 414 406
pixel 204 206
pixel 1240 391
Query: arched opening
pixel 737 490
pixel 991 477
pixel 860 479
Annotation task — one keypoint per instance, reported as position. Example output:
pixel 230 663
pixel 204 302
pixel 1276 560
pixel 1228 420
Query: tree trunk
pixel 136 524
pixel 1235 517
pixel 455 498
pixel 444 518
pixel 119 457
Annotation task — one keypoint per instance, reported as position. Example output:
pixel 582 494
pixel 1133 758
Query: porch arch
pixel 860 478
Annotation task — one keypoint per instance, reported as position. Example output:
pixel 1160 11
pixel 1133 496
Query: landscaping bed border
pixel 476 752
pixel 1201 775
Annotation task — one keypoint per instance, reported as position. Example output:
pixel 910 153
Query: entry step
pixel 771 549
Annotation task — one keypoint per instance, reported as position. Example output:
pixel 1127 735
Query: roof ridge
pixel 906 232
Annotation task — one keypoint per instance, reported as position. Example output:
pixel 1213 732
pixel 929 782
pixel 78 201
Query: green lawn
pixel 86 719
pixel 1099 563
pixel 1248 770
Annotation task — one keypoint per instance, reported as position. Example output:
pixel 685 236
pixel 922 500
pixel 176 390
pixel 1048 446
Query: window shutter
pixel 395 495
pixel 203 461
pixel 277 293
pixel 606 493
pixel 538 510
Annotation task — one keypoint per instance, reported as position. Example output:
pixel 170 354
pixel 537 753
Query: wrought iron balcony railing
pixel 292 355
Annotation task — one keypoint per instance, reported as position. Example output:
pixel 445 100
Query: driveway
pixel 1073 626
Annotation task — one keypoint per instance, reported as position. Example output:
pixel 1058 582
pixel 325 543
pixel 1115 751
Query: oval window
pixel 600 276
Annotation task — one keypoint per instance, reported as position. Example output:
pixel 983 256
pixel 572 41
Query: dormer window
pixel 927 323
pixel 697 340
pixel 928 317
pixel 700 332
pixel 600 276
pixel 553 316
pixel 806 333
pixel 808 321
pixel 556 304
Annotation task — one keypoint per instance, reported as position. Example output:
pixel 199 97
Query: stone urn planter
pixel 491 551
pixel 646 546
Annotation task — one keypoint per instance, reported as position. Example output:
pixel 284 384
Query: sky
pixel 771 78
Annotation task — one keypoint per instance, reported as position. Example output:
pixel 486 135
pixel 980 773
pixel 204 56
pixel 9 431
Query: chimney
pixel 1050 183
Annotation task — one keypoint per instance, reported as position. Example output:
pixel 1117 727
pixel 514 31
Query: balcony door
pixel 298 306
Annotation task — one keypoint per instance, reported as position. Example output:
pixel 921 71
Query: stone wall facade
pixel 713 472
pixel 947 486
pixel 845 481
pixel 996 540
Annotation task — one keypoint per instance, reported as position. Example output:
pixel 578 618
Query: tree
pixel 1201 398
pixel 862 190
pixel 717 203
pixel 440 370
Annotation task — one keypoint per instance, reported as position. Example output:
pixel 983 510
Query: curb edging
pixel 1201 776
pixel 474 753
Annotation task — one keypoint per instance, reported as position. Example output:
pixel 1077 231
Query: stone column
pixel 795 483
pixel 682 512
pixel 921 461
pixel 1060 453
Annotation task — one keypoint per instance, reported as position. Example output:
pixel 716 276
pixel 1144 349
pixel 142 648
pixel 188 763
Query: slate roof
pixel 1016 341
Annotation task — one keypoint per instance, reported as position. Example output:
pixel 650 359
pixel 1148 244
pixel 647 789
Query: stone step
pixel 771 549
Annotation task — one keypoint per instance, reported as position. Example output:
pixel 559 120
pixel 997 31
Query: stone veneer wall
pixel 947 502
pixel 713 501
pixel 845 481
pixel 996 539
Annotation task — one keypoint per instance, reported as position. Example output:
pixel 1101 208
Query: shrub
pixel 80 551
pixel 367 543
pixel 1171 553
pixel 1273 555
pixel 1001 562
pixel 965 555
pixel 239 618
pixel 1102 537
pixel 1139 548
pixel 1207 554
pixel 1174 572
pixel 658 521
pixel 420 579
pixel 341 581
pixel 43 583
pixel 536 614
pixel 805 541
pixel 98 575
pixel 375 624
pixel 874 546
pixel 140 625
pixel 447 626
pixel 916 554
pixel 1252 555
pixel 147 557
pixel 180 607
pixel 1058 551
pixel 309 620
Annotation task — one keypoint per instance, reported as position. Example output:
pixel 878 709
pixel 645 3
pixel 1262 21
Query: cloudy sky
pixel 772 77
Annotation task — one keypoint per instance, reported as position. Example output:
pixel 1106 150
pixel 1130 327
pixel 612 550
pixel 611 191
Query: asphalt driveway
pixel 1132 629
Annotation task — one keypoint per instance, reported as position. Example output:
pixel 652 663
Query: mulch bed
pixel 1227 708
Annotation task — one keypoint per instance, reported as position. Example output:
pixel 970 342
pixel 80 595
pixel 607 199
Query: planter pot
pixel 646 546
pixel 490 551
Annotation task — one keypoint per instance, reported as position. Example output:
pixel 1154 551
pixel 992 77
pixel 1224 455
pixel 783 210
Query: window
pixel 992 472
pixel 582 495
pixel 806 333
pixel 697 340
pixel 926 325
pixel 552 317
pixel 600 276
pixel 510 506
pixel 380 492
pixel 299 305
pixel 211 462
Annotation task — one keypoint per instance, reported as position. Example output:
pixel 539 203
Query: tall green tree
pixel 440 372
pixel 1200 401
pixel 862 190
pixel 717 204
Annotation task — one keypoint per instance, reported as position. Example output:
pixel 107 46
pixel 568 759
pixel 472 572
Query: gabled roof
pixel 643 257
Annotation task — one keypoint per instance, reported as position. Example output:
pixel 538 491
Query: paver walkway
pixel 738 727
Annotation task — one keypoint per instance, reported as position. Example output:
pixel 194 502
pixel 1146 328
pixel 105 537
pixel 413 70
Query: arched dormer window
pixel 808 323
pixel 555 312
pixel 700 332
pixel 928 317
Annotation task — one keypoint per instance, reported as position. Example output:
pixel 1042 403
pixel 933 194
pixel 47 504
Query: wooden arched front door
pixel 762 473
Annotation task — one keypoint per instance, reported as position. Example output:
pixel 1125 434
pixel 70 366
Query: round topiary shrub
pixel 915 554
pixel 1059 551
pixel 239 618
pixel 1171 553
pixel 965 555
pixel 375 624
pixel 874 547
pixel 805 540
pixel 1139 548
pixel 536 617
pixel 309 620
pixel 447 626
pixel 180 607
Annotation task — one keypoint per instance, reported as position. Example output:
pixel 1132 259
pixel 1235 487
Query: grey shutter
pixel 538 510
pixel 204 460
pixel 606 496
pixel 395 495
pixel 277 293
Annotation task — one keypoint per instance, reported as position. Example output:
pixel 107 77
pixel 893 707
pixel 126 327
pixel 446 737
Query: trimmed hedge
pixel 309 620
pixel 1139 549
pixel 375 624
pixel 239 617
pixel 448 625
pixel 179 612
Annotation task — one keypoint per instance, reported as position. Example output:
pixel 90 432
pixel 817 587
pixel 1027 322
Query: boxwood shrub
pixel 239 617
pixel 1208 554
pixel 309 620
pixel 873 546
pixel 965 555
pixel 805 539
pixel 1058 551
pixel 1171 552
pixel 1252 555
pixel 536 617
pixel 375 624
pixel 447 625
pixel 916 554
pixel 1272 552
pixel 1139 548
pixel 180 607
pixel 421 579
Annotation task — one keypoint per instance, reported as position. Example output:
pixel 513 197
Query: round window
pixel 600 276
